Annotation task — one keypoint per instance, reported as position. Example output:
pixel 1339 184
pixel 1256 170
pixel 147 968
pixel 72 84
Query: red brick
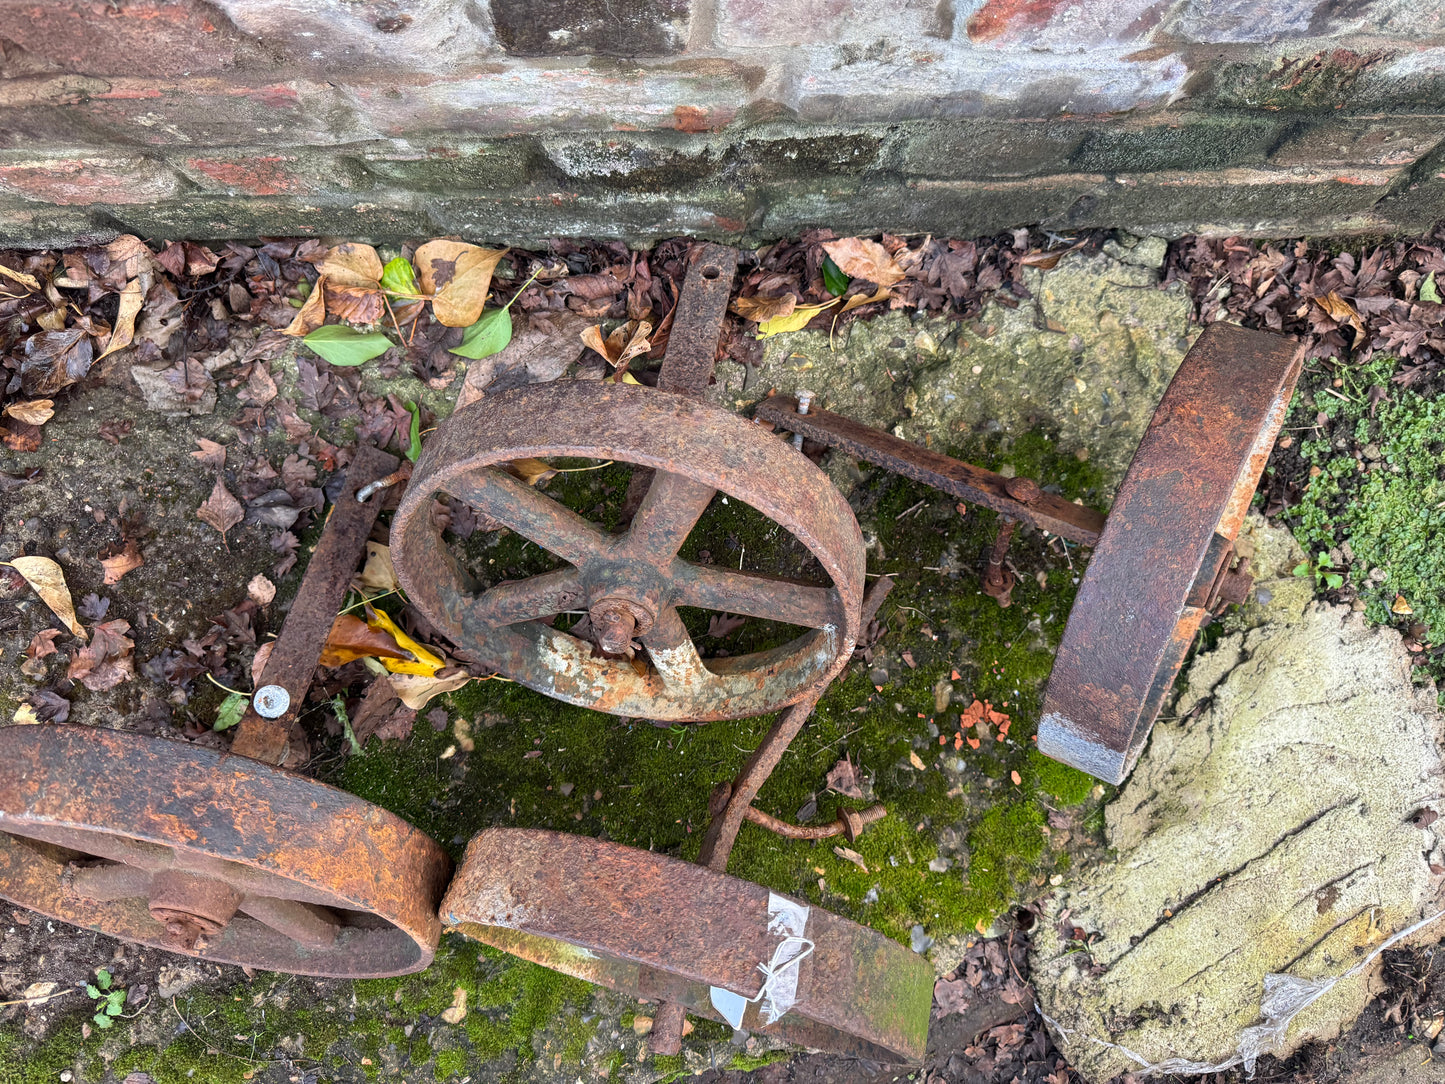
pixel 122 37
pixel 260 175
pixel 64 181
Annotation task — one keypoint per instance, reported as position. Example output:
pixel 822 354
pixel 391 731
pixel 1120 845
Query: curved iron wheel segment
pixel 664 929
pixel 632 583
pixel 212 855
pixel 1164 559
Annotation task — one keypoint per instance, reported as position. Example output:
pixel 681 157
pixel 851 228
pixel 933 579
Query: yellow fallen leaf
pixel 531 471
pixel 1342 312
pixel 1401 606
pixel 378 574
pixel 415 691
pixel 857 300
pixel 25 716
pixel 28 281
pixel 457 276
pixel 131 300
pixel 794 321
pixel 426 665
pixel 312 314
pixel 45 576
pixel 32 411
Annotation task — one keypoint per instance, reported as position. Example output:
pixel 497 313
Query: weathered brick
pixel 355 36
pixel 1186 142
pixel 24 224
pixel 92 179
pixel 968 147
pixel 259 173
pixel 390 217
pixel 1229 20
pixel 1348 141
pixel 1064 24
pixel 206 113
pixel 448 166
pixel 123 37
pixel 624 28
pixel 751 24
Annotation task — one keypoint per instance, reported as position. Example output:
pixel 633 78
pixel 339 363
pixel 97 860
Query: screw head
pixel 1024 490
pixel 271 701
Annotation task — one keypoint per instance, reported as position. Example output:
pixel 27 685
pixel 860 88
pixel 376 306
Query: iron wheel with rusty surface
pixel 664 929
pixel 632 583
pixel 212 855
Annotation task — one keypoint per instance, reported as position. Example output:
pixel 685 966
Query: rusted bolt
pixel 854 821
pixel 271 701
pixel 400 475
pixel 191 907
pixel 615 624
pixel 1023 490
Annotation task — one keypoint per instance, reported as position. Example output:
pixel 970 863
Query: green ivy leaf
pixel 489 335
pixel 232 708
pixel 91 991
pixel 413 450
pixel 1302 569
pixel 1428 290
pixel 102 979
pixel 115 1001
pixel 833 278
pixel 1334 580
pixel 399 277
pixel 343 345
pixel 101 1021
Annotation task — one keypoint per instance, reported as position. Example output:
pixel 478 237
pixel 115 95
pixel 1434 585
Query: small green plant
pixel 109 999
pixel 1324 573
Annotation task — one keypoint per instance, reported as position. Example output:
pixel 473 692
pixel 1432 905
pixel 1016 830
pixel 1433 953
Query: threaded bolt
pixel 805 400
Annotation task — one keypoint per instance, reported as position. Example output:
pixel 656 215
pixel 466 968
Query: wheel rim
pixel 695 450
pixel 212 855
pixel 664 929
pixel 1163 547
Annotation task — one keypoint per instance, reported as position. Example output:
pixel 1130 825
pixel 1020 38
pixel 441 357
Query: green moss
pixel 1069 785
pixel 1389 505
pixel 746 1063
pixel 450 1063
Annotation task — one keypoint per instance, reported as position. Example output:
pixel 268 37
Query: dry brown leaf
pixel 261 590
pixel 28 281
pixel 211 454
pixel 531 471
pixel 32 411
pixel 354 304
pixel 626 342
pixel 457 276
pixel 129 256
pixel 221 510
pixel 42 644
pixel 352 264
pixel 843 778
pixel 457 1011
pixel 131 300
pixel 915 760
pixel 1401 606
pixel 312 314
pixel 1342 312
pixel 106 661
pixel 416 690
pixel 852 856
pixel 378 574
pixel 352 638
pixel 127 560
pixel 765 308
pixel 46 577
pixel 258 664
pixel 862 259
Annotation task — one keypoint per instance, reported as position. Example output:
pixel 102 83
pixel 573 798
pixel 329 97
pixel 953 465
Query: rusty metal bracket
pixel 1164 561
pixel 273 738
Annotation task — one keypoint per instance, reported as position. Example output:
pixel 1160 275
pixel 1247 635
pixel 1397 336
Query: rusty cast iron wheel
pixel 1164 559
pixel 213 855
pixel 660 928
pixel 632 583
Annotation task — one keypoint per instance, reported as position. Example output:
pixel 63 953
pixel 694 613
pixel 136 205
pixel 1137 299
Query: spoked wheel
pixel 668 930
pixel 212 855
pixel 1165 559
pixel 632 583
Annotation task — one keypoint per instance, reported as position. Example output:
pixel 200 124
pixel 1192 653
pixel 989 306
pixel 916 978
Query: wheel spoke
pixel 534 516
pixel 674 654
pixel 756 595
pixel 529 599
pixel 669 511
pixel 306 924
pixel 109 882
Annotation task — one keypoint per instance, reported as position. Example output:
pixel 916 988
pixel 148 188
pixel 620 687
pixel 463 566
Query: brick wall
pixel 733 119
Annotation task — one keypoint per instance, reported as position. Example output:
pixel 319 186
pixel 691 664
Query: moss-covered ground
pixel 1367 457
pixel 962 842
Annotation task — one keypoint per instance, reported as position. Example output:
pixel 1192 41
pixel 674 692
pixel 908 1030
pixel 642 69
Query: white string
pixel 774 969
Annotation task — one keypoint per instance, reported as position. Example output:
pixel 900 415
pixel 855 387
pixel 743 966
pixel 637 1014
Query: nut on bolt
pixel 1023 490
